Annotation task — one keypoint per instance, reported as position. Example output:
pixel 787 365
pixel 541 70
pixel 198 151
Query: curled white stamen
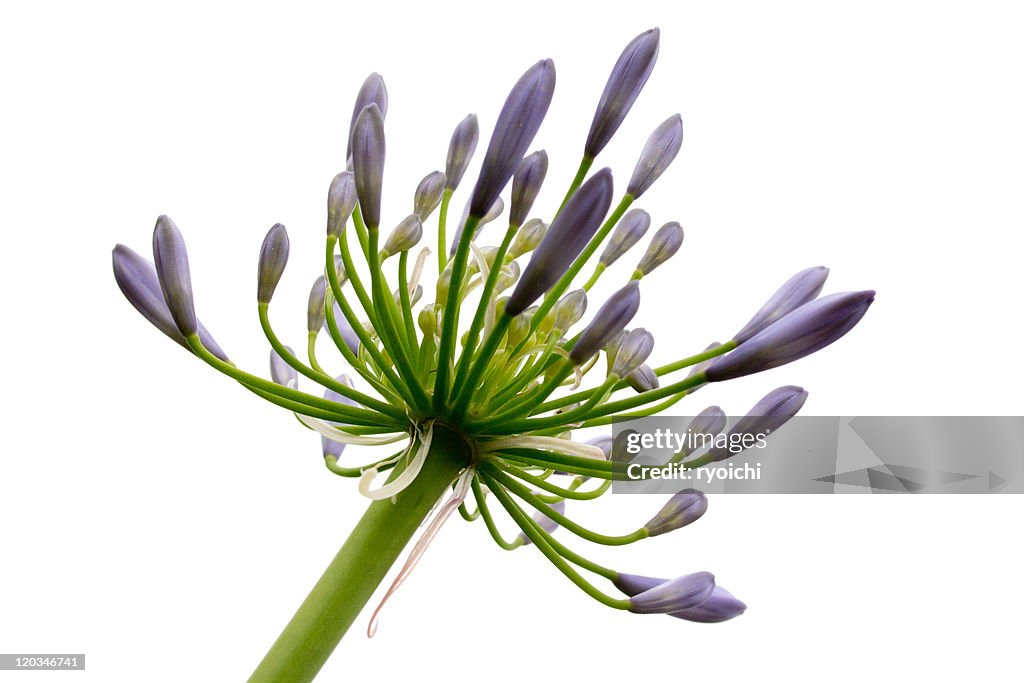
pixel 335 434
pixel 417 270
pixel 481 260
pixel 458 496
pixel 396 485
pixel 543 443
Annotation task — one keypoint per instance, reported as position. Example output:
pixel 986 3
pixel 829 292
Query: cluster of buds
pixel 504 357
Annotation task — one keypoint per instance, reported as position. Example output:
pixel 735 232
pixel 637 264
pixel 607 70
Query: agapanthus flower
pixel 473 401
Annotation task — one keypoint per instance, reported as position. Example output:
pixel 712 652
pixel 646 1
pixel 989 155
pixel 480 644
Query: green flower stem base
pixel 359 567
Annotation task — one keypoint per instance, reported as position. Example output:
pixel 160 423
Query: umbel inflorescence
pixel 490 375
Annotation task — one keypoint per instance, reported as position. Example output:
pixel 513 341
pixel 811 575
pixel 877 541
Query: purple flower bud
pixel 565 239
pixel 372 91
pixel 643 379
pixel 460 151
pixel 171 261
pixel 628 232
pixel 341 202
pixel 315 310
pixel 339 268
pixel 684 592
pixel 273 259
pixel 528 237
pixel 797 290
pixel 632 351
pixel 281 372
pixel 799 333
pixel 517 124
pixel 683 508
pixel 661 148
pixel 404 237
pixel 702 429
pixel 546 523
pixel 330 446
pixel 609 321
pixel 428 194
pixel 348 335
pixel 526 185
pixel 137 280
pixel 767 415
pixel 663 246
pixel 569 310
pixel 721 606
pixel 368 151
pixel 627 79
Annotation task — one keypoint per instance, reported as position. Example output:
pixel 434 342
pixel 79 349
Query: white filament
pixel 461 489
pixel 544 443
pixel 335 434
pixel 417 269
pixel 407 476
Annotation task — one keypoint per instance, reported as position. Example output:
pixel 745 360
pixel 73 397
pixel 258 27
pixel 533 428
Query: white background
pixel 165 522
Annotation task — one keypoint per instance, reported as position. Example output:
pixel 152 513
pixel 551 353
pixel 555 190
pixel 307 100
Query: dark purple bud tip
pixel 683 508
pixel 526 185
pixel 609 321
pixel 341 202
pixel 794 293
pixel 799 333
pixel 273 259
pixel 517 124
pixel 137 280
pixel 368 152
pixel 684 592
pixel 627 79
pixel 460 151
pixel 171 261
pixel 372 91
pixel 628 232
pixel 661 149
pixel 564 240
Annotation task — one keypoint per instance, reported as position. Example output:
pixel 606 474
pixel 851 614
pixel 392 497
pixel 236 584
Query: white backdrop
pixel 167 523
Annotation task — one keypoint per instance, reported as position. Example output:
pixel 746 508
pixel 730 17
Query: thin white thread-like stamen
pixel 461 488
pixel 417 270
pixel 543 443
pixel 335 434
pixel 398 484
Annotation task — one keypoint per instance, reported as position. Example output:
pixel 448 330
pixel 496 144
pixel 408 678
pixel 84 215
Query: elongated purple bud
pixel 546 523
pixel 341 202
pixel 565 239
pixel 526 185
pixel 281 372
pixel 663 246
pixel 273 259
pixel 684 592
pixel 136 277
pixel 372 91
pixel 794 293
pixel 628 232
pixel 330 446
pixel 528 238
pixel 404 237
pixel 774 410
pixel 348 335
pixel 171 260
pixel 627 79
pixel 609 321
pixel 721 606
pixel 460 151
pixel 799 333
pixel 315 311
pixel 661 149
pixel 428 195
pixel 517 124
pixel 368 152
pixel 643 379
pixel 685 507
pixel 702 430
pixel 632 351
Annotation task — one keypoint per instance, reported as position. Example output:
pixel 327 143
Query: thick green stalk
pixel 359 567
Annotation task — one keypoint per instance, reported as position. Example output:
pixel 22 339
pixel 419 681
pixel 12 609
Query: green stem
pixel 359 567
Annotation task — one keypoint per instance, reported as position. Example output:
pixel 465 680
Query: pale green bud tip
pixel 569 310
pixel 659 152
pixel 273 259
pixel 428 194
pixel 528 237
pixel 171 260
pixel 405 236
pixel 683 508
pixel 632 351
pixel 316 312
pixel 665 243
pixel 341 202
